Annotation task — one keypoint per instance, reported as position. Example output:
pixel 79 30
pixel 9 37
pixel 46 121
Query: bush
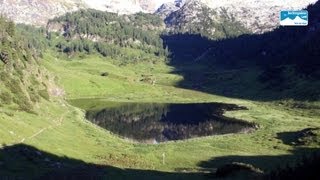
pixel 26 106
pixel 13 85
pixel 3 76
pixel 6 98
pixel 34 97
pixel 44 94
pixel 105 74
pixel 236 167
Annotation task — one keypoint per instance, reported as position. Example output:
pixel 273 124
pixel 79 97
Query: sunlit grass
pixel 77 138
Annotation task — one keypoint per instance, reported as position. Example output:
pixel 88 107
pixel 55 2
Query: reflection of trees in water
pixel 163 122
pixel 132 120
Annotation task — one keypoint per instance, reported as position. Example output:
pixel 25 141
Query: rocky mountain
pixel 36 11
pixel 39 11
pixel 169 7
pixel 195 17
pixel 166 9
pixel 123 6
pixel 256 16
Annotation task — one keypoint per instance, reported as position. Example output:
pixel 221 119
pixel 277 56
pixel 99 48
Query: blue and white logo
pixel 294 18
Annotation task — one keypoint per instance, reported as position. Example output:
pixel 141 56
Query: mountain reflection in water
pixel 154 122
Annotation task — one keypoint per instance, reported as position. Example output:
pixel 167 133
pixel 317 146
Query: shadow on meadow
pixel 300 163
pixel 282 64
pixel 23 161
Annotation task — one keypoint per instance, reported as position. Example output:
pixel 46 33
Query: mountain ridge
pixel 257 19
pixel 256 16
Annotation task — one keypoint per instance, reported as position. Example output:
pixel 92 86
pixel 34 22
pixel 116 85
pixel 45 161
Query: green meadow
pixel 60 128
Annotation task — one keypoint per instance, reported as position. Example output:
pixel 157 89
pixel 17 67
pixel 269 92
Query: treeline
pixel 22 80
pixel 7 32
pixel 296 46
pixel 34 38
pixel 287 60
pixel 222 26
pixel 185 47
pixel 91 30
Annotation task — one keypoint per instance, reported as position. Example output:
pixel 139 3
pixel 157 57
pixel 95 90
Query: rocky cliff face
pixel 36 11
pixel 258 16
pixel 39 11
pixel 126 6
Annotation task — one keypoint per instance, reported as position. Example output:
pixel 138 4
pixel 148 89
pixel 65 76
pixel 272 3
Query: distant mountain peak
pixel 39 11
pixel 256 15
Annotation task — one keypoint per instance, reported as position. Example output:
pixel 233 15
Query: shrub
pixel 6 98
pixel 44 94
pixel 26 106
pixel 236 167
pixel 34 97
pixel 14 86
pixel 3 76
pixel 105 74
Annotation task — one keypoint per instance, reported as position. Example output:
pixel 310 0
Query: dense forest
pixel 22 80
pixel 296 46
pixel 285 45
pixel 286 61
pixel 104 59
pixel 208 23
pixel 107 33
pixel 281 54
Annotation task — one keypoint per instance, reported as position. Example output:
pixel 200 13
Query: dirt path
pixel 57 123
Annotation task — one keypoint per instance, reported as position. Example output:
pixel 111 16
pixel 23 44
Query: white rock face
pixel 36 11
pixel 126 6
pixel 166 9
pixel 259 16
pixel 117 6
pixel 256 15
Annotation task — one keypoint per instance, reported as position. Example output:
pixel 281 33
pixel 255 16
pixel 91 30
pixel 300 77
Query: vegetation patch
pixel 235 170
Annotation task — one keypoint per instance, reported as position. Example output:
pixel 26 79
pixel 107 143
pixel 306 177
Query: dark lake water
pixel 154 123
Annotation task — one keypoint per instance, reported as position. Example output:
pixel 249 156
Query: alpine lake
pixel 153 123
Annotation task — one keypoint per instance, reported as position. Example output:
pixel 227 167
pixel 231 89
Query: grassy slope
pixel 77 138
pixel 82 79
